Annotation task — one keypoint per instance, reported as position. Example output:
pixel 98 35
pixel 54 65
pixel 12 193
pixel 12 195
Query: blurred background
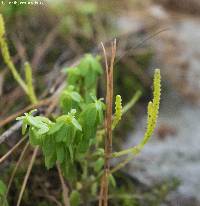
pixel 150 34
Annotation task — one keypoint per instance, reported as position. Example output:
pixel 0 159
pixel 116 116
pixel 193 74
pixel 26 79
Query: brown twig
pixel 33 106
pixel 51 198
pixel 33 158
pixel 27 175
pixel 42 48
pixel 103 199
pixel 65 190
pixel 10 131
pixel 12 150
pixel 16 167
pixel 21 50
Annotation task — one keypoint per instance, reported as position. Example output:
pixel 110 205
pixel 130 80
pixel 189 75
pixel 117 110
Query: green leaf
pixel 83 146
pixel 94 189
pixel 2 188
pixel 75 96
pixel 89 115
pixel 43 120
pixel 76 124
pixel 69 170
pixel 60 152
pixel 69 138
pixel 112 180
pixel 74 75
pixel 65 134
pixel 50 160
pixel 96 65
pixel 35 138
pixel 20 118
pixel 100 108
pixel 55 128
pixel 38 123
pixel 71 153
pixel 63 118
pixel 75 198
pixel 99 164
pixel 84 66
pixel 49 145
pixel 34 122
pixel 90 81
pixel 61 134
pixel 43 129
pixel 24 126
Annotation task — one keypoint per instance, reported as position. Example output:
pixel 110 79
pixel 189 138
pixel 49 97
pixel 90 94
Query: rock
pixel 177 54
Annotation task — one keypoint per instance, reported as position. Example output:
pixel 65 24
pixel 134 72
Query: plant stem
pixel 27 175
pixel 132 102
pixel 9 63
pixel 16 167
pixel 134 150
pixel 26 86
pixel 28 74
pixel 103 199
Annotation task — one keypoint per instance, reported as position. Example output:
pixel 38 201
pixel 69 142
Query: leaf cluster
pixel 84 77
pixel 67 138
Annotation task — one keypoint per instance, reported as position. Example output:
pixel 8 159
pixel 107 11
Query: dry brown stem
pixel 103 199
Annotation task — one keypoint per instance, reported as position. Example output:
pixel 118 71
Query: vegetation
pixel 73 140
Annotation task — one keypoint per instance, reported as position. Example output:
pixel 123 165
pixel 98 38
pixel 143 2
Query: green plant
pixel 3 201
pixel 74 138
pixel 26 85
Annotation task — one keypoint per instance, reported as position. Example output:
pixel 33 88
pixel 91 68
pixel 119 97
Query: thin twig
pixel 12 150
pixel 105 57
pixel 33 106
pixel 52 198
pixel 27 175
pixel 43 47
pixel 10 131
pixel 65 190
pixel 31 163
pixel 16 167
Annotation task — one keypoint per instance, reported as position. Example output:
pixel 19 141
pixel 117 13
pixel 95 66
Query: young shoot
pixel 152 115
pixel 118 111
pixel 27 85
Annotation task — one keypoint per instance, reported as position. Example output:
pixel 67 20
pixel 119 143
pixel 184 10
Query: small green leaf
pixel 69 138
pixel 33 121
pixel 75 198
pixel 89 115
pixel 112 180
pixel 43 129
pixel 61 134
pixel 76 96
pixel 94 189
pixel 60 152
pixel 56 127
pixel 71 153
pixel 20 118
pixel 49 150
pixel 2 188
pixel 76 124
pixel 24 126
pixel 99 164
pixel 35 138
